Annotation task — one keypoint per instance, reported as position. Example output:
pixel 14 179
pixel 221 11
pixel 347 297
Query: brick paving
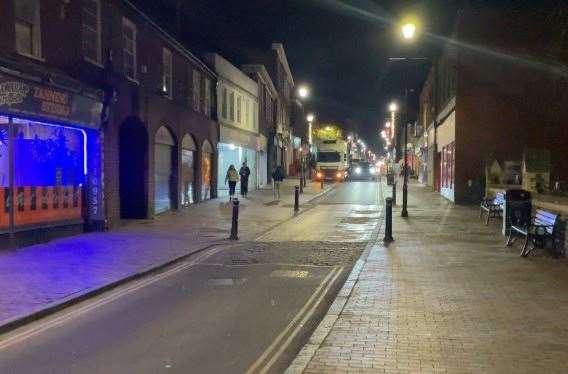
pixel 34 277
pixel 446 297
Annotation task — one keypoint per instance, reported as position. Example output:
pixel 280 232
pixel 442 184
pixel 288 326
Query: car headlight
pixel 372 170
pixel 338 175
pixel 319 175
pixel 357 170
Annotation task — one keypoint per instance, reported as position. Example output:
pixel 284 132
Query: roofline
pixel 180 48
pixel 279 48
pixel 263 74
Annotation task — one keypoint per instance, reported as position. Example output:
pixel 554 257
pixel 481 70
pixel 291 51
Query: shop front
pixel 447 153
pixel 236 147
pixel 50 157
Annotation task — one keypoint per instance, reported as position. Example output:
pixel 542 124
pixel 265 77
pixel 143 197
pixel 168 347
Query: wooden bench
pixel 493 206
pixel 539 229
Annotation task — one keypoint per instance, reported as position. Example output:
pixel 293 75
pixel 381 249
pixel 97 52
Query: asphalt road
pixel 232 309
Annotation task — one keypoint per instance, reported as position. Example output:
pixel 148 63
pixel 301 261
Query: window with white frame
pixel 92 30
pixel 196 90
pixel 207 98
pixel 27 27
pixel 239 102
pixel 167 72
pixel 224 104
pixel 246 109
pixel 232 106
pixel 129 48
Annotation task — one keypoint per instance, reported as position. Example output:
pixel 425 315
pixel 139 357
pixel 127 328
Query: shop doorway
pixel 188 150
pixel 132 169
pixel 164 166
pixel 206 170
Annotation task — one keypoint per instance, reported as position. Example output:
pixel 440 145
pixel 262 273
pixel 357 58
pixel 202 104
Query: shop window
pixel 50 168
pixel 196 90
pixel 92 30
pixel 27 27
pixel 129 48
pixel 167 78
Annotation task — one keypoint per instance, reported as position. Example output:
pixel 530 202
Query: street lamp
pixel 310 117
pixel 408 30
pixel 303 92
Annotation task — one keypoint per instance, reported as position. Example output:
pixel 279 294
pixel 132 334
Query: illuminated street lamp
pixel 408 31
pixel 303 92
pixel 310 117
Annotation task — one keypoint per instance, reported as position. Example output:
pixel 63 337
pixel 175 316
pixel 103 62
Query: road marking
pixel 333 275
pixel 48 324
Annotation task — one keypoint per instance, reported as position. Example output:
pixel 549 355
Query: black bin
pixel 517 208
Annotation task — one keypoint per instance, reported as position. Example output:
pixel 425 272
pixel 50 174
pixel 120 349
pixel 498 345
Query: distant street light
pixel 393 107
pixel 310 117
pixel 303 92
pixel 408 31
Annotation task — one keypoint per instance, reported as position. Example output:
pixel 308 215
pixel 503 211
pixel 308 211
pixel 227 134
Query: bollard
pixel 235 221
pixel 394 193
pixel 305 180
pixel 296 198
pixel 322 183
pixel 388 221
pixel 302 184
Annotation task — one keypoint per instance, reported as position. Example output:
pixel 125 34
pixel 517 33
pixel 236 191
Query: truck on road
pixel 331 159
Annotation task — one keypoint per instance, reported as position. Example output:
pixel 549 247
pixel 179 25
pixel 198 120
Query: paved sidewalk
pixel 446 297
pixel 40 276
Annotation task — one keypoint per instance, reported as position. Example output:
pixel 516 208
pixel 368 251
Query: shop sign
pixel 27 98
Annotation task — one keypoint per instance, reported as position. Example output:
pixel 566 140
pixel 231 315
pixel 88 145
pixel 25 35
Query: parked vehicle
pixel 331 159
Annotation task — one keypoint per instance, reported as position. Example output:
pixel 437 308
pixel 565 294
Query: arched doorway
pixel 188 149
pixel 133 143
pixel 164 166
pixel 206 170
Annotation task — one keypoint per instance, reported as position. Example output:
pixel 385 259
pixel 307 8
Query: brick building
pixel 495 94
pixel 130 108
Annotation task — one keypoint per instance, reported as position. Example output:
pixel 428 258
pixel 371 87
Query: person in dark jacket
pixel 277 178
pixel 244 173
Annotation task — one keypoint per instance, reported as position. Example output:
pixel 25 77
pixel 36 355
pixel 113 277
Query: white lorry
pixel 331 159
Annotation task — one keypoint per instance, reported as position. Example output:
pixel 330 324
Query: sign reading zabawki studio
pixel 22 97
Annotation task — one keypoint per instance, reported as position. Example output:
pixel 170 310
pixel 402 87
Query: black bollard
pixel 322 183
pixel 235 221
pixel 394 193
pixel 302 184
pixel 388 221
pixel 296 198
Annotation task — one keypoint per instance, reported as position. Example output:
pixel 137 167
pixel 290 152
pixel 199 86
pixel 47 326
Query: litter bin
pixel 517 207
pixel 390 179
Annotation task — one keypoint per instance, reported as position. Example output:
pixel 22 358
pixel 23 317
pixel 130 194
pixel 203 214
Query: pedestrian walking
pixel 232 177
pixel 277 178
pixel 244 172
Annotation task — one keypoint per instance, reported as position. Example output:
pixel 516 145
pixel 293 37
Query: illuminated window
pixel 27 27
pixel 92 30
pixel 129 48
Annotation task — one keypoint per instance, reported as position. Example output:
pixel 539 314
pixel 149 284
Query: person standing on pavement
pixel 232 177
pixel 244 173
pixel 277 178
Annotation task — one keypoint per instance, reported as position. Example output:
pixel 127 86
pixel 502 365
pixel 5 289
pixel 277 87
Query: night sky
pixel 339 48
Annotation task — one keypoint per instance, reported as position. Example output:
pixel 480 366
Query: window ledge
pixel 37 58
pixel 133 80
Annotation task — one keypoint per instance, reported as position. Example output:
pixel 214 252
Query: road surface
pixel 244 307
